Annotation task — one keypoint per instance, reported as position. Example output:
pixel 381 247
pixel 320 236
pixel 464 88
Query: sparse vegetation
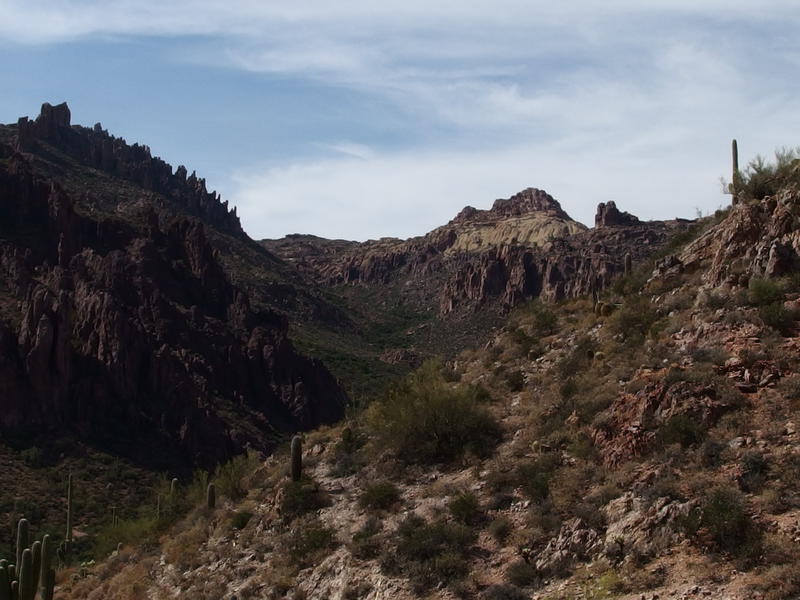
pixel 425 419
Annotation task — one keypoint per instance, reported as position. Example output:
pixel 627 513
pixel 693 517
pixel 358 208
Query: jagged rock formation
pixel 96 148
pixel 133 336
pixel 525 247
pixel 758 239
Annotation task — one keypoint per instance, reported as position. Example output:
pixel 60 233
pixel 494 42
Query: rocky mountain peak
pixel 97 149
pixel 608 215
pixel 528 201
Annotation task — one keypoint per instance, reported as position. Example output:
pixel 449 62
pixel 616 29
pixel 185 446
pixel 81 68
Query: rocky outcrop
pixel 524 247
pixel 97 149
pixel 608 215
pixel 757 238
pixel 134 338
pixel 637 418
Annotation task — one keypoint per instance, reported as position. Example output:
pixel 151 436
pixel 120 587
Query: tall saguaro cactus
pixel 46 581
pixel 23 535
pixel 735 167
pixel 297 458
pixel 211 496
pixel 68 537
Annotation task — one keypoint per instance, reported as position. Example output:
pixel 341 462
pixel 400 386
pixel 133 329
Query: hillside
pixel 641 446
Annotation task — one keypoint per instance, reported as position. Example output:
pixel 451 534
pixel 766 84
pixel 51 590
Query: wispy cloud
pixel 626 100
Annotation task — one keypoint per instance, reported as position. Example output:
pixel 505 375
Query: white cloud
pixel 626 100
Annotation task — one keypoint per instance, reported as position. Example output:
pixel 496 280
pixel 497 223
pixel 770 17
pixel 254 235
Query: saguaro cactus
pixel 36 552
pixel 23 535
pixel 173 487
pixel 297 458
pixel 628 264
pixel 5 581
pixel 211 496
pixel 45 585
pixel 68 537
pixel 25 587
pixel 735 165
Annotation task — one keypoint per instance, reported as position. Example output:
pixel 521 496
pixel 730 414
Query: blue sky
pixel 361 120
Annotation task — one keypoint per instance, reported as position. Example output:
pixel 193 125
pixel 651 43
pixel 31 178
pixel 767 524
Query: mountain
pixel 643 444
pixel 525 247
pixel 120 322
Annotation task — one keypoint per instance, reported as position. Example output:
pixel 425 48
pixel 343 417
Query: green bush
pixel 433 552
pixel 534 477
pixel 310 541
pixel 515 380
pixel 634 319
pixel 301 497
pixel 240 519
pixel 424 419
pixel 465 508
pixel 776 316
pixel 366 544
pixel 683 430
pixel 228 477
pixel 500 591
pixel 754 471
pixel 381 495
pixel 722 515
pixel 762 292
pixel 500 528
pixel 761 179
pixel 522 574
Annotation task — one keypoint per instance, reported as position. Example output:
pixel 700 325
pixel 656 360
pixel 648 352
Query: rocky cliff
pixel 128 332
pixel 524 247
pixel 98 149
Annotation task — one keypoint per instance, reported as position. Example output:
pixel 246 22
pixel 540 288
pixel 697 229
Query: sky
pixel 361 120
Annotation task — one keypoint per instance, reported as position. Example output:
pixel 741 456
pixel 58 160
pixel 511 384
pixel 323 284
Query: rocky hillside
pixel 641 446
pixel 119 323
pixel 524 247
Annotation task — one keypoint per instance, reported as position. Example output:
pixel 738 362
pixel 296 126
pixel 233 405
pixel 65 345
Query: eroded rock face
pixel 758 239
pixel 637 418
pixel 608 215
pixel 524 247
pixel 135 338
pixel 96 148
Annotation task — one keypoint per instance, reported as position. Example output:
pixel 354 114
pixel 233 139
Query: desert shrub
pixel 760 178
pixel 240 519
pixel 380 495
pixel 522 574
pixel 425 419
pixel 347 458
pixel 534 477
pixel 309 542
pixel 776 316
pixel 634 319
pixel 721 520
pixel 301 497
pixel 501 591
pixel 790 387
pixel 228 477
pixel 716 301
pixel 683 430
pixel 465 508
pixel 778 582
pixel 754 471
pixel 432 553
pixel 500 528
pixel 545 320
pixel 515 380
pixel 366 544
pixel 762 292
pixel 711 453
